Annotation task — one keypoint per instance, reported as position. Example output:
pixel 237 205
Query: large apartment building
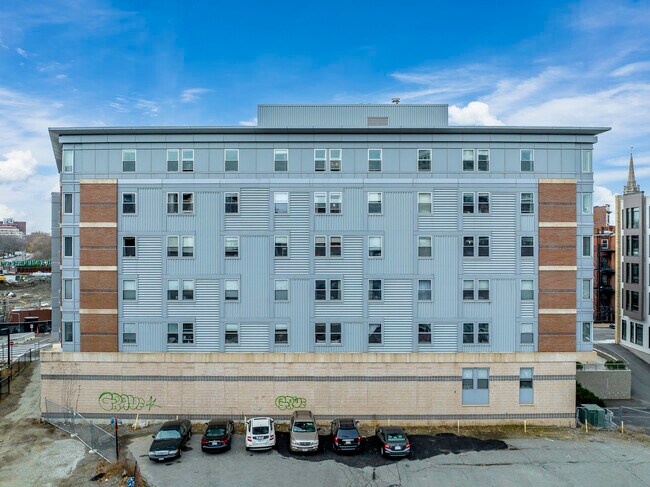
pixel 633 324
pixel 327 254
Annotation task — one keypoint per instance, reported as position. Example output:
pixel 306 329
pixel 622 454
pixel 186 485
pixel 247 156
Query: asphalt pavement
pixel 43 341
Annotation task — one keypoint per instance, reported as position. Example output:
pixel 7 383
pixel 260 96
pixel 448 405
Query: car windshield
pixel 260 430
pixel 349 433
pixel 304 427
pixel 168 435
pixel 395 437
pixel 216 431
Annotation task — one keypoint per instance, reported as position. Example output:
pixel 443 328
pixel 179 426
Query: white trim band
pixel 558 268
pixel 97 311
pixel 555 311
pixel 97 224
pixel 558 224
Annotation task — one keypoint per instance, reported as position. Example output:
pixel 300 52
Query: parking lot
pixel 437 460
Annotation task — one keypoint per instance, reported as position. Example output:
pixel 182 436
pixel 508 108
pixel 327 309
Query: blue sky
pixel 102 62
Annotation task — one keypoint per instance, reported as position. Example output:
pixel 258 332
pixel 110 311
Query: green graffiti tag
pixel 290 402
pixel 114 401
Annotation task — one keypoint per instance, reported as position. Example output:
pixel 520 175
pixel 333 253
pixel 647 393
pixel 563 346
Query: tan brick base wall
pixel 406 388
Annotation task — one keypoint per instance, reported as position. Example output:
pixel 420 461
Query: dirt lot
pixel 35 453
pixel 30 294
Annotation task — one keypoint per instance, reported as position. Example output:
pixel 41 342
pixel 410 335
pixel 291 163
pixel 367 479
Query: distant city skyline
pixel 99 62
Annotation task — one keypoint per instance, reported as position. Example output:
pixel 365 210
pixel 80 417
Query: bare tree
pixel 39 244
pixel 10 244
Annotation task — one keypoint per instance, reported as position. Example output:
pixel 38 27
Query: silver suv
pixel 303 432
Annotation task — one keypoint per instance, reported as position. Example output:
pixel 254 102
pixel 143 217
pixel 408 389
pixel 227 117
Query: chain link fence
pixel 8 372
pixel 93 436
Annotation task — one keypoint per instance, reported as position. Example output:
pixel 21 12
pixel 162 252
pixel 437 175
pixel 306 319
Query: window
pixel 375 246
pixel 476 386
pixel 526 337
pixel 336 244
pixel 320 160
pixel 604 244
pixel 128 203
pixel 281 202
pixel 424 333
pixel 172 246
pixel 624 330
pixel 468 202
pixel 424 160
pixel 281 246
pixel 129 334
pixel 67 289
pixel 527 290
pixel 586 161
pixel 483 159
pixel 68 166
pixel 172 332
pixel 374 160
pixel 321 287
pixel 587 206
pixel 320 202
pixel 281 334
pixel 172 203
pixel 634 212
pixel 232 203
pixel 335 289
pixel 335 160
pixel 374 333
pixel 586 331
pixel 128 290
pixel 631 300
pixel 424 290
pixel 468 333
pixel 336 204
pixel 634 273
pixel 67 203
pixel 424 203
pixel 172 290
pixel 527 247
pixel 527 162
pixel 468 290
pixel 188 333
pixel 374 203
pixel 526 386
pixel 172 160
pixel 374 289
pixel 638 334
pixel 483 290
pixel 188 246
pixel 188 202
pixel 468 246
pixel 281 290
pixel 527 204
pixel 484 202
pixel 231 160
pixel 232 334
pixel 188 290
pixel 320 246
pixel 231 247
pixel 67 246
pixel 468 159
pixel 586 246
pixel 128 247
pixel 232 289
pixel 281 160
pixel 68 334
pixel 128 160
pixel 327 333
pixel 424 247
pixel 586 289
pixel 484 246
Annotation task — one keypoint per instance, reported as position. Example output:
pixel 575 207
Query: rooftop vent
pixel 377 121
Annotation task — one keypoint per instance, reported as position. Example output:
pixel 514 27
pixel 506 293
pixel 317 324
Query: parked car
pixel 303 433
pixel 218 435
pixel 260 434
pixel 172 436
pixel 346 436
pixel 394 442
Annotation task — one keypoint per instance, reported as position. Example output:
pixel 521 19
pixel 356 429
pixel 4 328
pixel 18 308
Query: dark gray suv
pixel 346 436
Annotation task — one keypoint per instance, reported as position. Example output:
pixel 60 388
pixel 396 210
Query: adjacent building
pixel 321 258
pixel 632 285
pixel 11 228
pixel 604 265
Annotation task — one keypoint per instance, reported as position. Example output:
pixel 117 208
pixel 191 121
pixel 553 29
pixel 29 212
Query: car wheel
pixel 383 452
pixel 248 449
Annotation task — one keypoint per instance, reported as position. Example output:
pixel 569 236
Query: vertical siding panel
pixel 445 212
pixel 147 268
pixel 446 291
pixel 396 312
pixel 253 211
pixel 206 332
pixel 397 228
pixel 296 226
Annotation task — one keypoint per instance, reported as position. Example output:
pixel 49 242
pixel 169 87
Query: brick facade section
pixel 98 333
pixel 557 247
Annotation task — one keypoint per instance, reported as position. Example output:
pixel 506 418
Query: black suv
pixel 346 436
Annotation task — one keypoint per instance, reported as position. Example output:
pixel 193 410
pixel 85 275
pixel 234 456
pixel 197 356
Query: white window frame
pixel 522 160
pixel 170 289
pixel 182 246
pixel 182 289
pixel 181 202
pixel 183 333
pixel 187 159
pixel 462 160
pixel 67 289
pixel 531 203
pixel 586 338
pixel 330 196
pixel 226 161
pixel 590 246
pixel 587 203
pixel 280 327
pixel 377 331
pixel 225 246
pixel 381 247
pixel 63 247
pixel 225 202
pixel 231 329
pixel 135 247
pixel 275 247
pixel 467 204
pixel 320 159
pixel 328 334
pixel 425 337
pixel 135 289
pixel 275 159
pixel 135 203
pixel 68 198
pixel 526 330
pixel 430 247
pixel 275 290
pixel 177 203
pixel 65 327
pixel 480 152
pixel 381 202
pixel 586 164
pixel 428 210
pixel 67 168
pixel 381 291
pixel 604 243
pixel 480 282
pixel 129 329
pixel 135 159
pixel 381 160
pixel 531 290
pixel 335 159
pixel 328 290
pixel 226 283
pixel 430 298
pixel 329 246
pixel 418 159
pixel 587 289
pixel 278 195
pixel 478 203
pixel 177 161
pixel 177 246
pixel 466 287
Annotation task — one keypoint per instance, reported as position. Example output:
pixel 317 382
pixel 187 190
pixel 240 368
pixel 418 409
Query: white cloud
pixel 249 123
pixel 193 94
pixel 603 196
pixel 17 165
pixel 61 76
pixel 21 52
pixel 125 104
pixel 632 68
pixel 475 113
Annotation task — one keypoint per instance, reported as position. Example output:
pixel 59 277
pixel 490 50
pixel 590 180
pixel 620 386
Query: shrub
pixel 615 365
pixel 585 396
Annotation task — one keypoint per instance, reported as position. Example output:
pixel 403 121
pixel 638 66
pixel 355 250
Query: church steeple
pixel 631 186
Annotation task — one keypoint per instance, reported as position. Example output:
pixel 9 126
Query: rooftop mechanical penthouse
pixel 373 241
